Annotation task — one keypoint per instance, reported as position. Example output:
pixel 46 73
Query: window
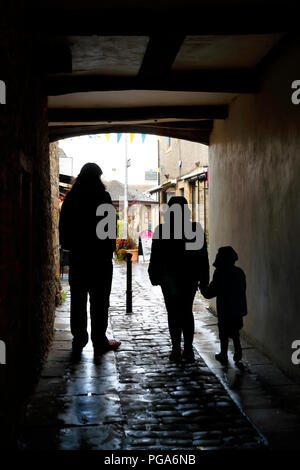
pixel 168 196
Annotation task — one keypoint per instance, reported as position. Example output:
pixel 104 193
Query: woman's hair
pixel 89 177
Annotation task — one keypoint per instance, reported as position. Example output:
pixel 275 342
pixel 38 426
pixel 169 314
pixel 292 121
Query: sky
pixel 108 151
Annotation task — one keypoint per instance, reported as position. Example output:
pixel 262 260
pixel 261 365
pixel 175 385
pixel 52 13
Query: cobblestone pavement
pixel 134 398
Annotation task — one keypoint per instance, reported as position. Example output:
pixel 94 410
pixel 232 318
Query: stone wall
pixel 54 182
pixel 189 153
pixel 255 204
pixel 27 276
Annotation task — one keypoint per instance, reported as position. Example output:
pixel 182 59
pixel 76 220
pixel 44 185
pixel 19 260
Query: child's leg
pixel 224 339
pixel 224 343
pixel 237 345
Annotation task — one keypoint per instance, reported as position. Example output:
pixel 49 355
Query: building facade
pixel 183 171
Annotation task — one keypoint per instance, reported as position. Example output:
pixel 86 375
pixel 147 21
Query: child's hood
pixel 226 256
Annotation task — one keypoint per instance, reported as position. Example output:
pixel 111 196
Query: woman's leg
pixel 174 321
pixel 187 319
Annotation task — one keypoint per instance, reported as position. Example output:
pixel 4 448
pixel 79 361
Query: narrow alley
pixel 137 399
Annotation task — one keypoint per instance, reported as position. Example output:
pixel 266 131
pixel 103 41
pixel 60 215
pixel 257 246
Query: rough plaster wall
pixel 255 204
pixel 26 315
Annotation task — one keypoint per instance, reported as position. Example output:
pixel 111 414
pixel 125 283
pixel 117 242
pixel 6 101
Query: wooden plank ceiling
pixel 168 71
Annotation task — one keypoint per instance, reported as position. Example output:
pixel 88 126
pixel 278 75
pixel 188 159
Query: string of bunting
pixel 119 136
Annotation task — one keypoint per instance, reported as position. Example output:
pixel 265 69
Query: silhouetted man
pixel 90 259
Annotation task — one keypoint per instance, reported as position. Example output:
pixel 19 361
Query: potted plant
pixel 124 245
pixel 133 249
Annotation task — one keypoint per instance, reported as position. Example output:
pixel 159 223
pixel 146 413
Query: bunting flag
pixel 131 137
pixel 107 136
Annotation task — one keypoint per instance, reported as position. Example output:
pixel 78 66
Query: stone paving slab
pixel 135 398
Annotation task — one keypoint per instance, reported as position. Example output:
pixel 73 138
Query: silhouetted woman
pixel 90 259
pixel 178 264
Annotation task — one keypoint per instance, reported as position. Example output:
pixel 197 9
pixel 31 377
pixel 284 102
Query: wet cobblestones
pixel 175 406
pixel 134 398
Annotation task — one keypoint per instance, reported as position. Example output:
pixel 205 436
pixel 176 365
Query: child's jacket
pixel 229 286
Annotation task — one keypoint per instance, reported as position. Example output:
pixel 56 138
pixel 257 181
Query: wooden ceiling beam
pixel 148 21
pixel 53 58
pixel 64 132
pixel 153 113
pixel 217 81
pixel 160 54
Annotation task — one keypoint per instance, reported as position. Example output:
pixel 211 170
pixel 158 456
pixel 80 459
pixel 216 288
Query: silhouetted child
pixel 229 286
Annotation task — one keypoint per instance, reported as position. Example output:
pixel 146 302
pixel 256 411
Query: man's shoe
pixel 222 359
pixel 188 356
pixel 109 346
pixel 175 356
